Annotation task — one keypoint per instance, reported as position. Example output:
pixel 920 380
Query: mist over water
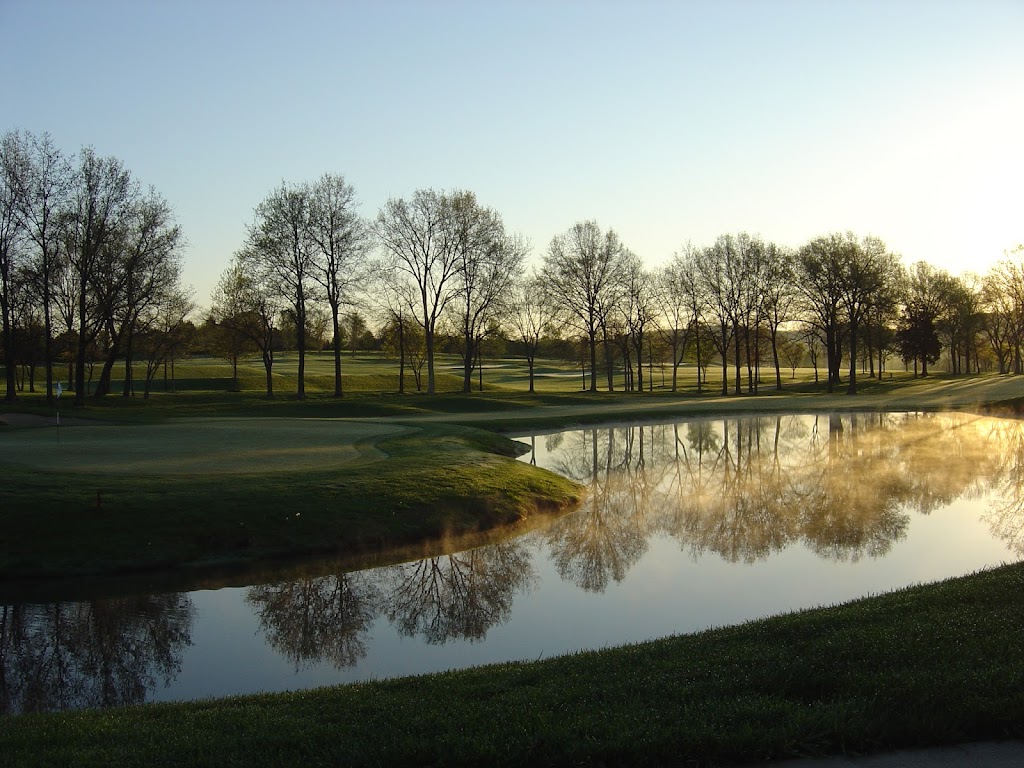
pixel 685 525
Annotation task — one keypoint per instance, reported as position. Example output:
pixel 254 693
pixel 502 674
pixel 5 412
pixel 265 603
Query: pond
pixel 685 526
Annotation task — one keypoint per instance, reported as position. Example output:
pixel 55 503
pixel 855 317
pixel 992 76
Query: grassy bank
pixel 927 665
pixel 173 496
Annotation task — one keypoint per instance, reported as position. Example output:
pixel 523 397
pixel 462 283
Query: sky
pixel 669 122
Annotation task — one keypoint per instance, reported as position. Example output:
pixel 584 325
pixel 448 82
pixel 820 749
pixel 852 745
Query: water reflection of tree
pixel 607 535
pixel 322 619
pixel 943 458
pixel 458 596
pixel 732 509
pixel 1006 515
pixel 847 496
pixel 102 653
pixel 746 487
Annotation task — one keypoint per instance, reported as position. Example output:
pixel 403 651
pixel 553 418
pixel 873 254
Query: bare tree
pixel 793 352
pixel 927 291
pixel 279 249
pixel 583 275
pixel 530 317
pixel 720 274
pixel 864 273
pixel 421 243
pixel 489 263
pixel 11 232
pixel 342 240
pixel 393 295
pixel 165 332
pixel 751 267
pixel 680 303
pixel 820 278
pixel 141 271
pixel 41 175
pixel 1000 316
pixel 779 297
pixel 879 331
pixel 811 337
pixel 245 305
pixel 960 322
pixel 639 312
pixel 101 198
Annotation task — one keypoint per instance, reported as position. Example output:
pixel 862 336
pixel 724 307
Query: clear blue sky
pixel 667 121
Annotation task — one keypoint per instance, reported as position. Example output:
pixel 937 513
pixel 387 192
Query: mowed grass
pixel 109 499
pixel 934 664
pixel 200 447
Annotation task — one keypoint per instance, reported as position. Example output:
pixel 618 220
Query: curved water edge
pixel 227 575
pixel 686 525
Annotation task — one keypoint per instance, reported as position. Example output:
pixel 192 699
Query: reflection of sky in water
pixel 524 596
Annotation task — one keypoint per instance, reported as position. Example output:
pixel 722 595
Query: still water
pixel 686 525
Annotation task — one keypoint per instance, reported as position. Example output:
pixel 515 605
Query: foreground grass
pixel 437 481
pixel 927 665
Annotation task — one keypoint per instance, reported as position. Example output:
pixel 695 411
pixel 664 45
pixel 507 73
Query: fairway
pixel 198 446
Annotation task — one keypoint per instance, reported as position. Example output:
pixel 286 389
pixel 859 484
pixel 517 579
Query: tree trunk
pixel 830 346
pixel 11 393
pixel 268 364
pixel 697 343
pixel 467 363
pixel 129 375
pixel 640 364
pixel 48 338
pixel 300 338
pixel 129 385
pixel 725 361
pixel 737 358
pixel 81 347
pixel 775 357
pixel 479 364
pixel 751 354
pixel 677 358
pixel 401 356
pixel 429 338
pixel 337 350
pixel 650 368
pixel 609 360
pixel 851 388
pixel 103 385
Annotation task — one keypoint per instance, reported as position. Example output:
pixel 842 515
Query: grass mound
pixel 200 493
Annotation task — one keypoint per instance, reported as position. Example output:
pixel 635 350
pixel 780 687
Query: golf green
pixel 197 446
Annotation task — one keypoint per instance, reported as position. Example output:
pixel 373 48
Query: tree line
pixel 90 269
pixel 440 265
pixel 90 266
